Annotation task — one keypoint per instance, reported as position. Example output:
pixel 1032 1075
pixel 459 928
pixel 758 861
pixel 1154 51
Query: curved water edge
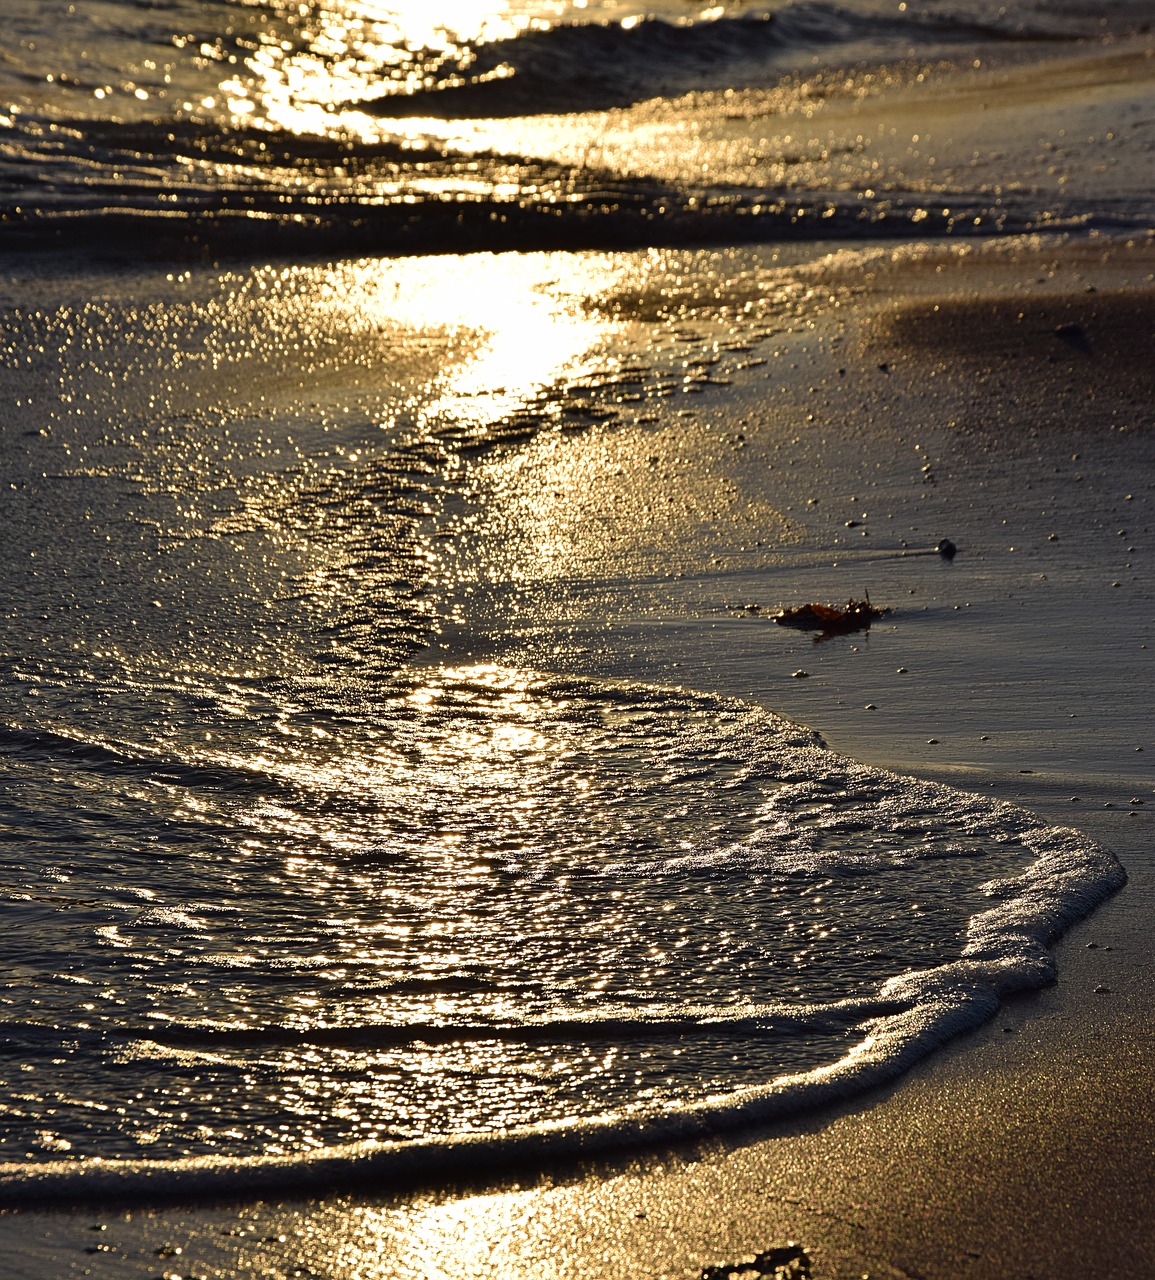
pixel 381 925
pixel 1006 951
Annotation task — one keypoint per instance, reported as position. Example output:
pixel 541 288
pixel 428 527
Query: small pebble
pixel 947 549
pixel 932 742
pixel 871 707
pixel 800 674
pixel 902 671
pixel 1102 991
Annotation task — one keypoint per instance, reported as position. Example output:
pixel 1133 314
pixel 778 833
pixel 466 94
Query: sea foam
pixel 680 818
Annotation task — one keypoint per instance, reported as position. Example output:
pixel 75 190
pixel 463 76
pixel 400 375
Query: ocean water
pixel 352 125
pixel 284 901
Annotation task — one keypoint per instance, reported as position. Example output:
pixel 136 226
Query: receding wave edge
pixel 1006 952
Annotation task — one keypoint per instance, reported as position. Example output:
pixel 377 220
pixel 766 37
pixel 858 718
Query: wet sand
pixel 999 395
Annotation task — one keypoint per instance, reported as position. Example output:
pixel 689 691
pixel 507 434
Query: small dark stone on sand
pixel 947 549
pixel 1074 335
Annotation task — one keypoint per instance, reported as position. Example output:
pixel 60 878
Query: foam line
pixel 1007 952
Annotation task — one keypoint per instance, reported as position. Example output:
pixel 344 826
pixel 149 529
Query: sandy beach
pixel 996 394
pixel 667 323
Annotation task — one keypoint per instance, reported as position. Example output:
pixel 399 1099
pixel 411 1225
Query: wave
pixel 136 762
pixel 239 187
pixel 176 187
pixel 1006 952
pixel 555 210
pixel 597 66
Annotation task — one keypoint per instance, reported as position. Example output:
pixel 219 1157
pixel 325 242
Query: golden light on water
pixel 339 54
pixel 441 344
pixel 513 323
pixel 377 780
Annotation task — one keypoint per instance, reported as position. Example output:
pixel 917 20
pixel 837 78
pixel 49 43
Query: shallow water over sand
pixel 311 842
pixel 342 126
pixel 484 902
pixel 278 891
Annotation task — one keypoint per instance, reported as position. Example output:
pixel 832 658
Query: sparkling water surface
pixel 340 126
pixel 272 884
pixel 271 887
pixel 478 900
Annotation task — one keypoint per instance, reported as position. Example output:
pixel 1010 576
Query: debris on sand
pixel 856 616
pixel 785 1262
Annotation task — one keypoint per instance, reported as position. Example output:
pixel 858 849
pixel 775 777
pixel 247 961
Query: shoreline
pixel 993 1158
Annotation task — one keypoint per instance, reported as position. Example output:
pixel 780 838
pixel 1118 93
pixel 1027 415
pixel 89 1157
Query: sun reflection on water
pixel 514 323
pixel 343 52
pixel 484 898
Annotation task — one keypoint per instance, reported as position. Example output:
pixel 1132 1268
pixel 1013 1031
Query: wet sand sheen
pixel 331 802
pixel 895 1185
pixel 280 484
